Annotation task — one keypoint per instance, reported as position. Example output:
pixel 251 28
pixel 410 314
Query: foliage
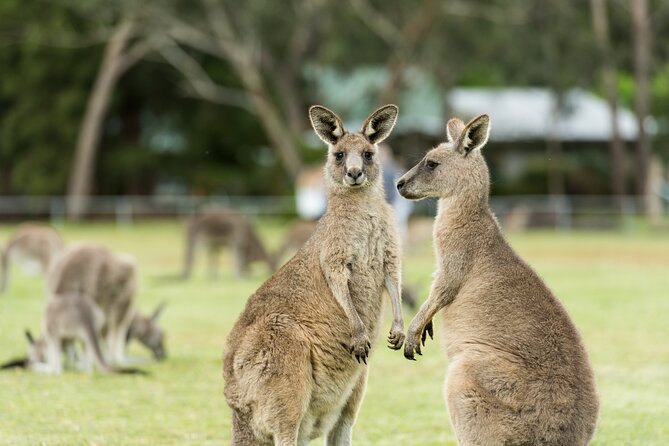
pixel 54 48
pixel 42 97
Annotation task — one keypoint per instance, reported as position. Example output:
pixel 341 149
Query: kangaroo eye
pixel 339 156
pixel 431 164
pixel 368 155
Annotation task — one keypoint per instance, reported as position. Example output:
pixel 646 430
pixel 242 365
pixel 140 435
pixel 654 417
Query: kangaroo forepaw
pixel 427 330
pixel 396 337
pixel 360 347
pixel 414 340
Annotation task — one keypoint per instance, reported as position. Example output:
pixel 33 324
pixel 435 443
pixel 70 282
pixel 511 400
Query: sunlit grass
pixel 616 287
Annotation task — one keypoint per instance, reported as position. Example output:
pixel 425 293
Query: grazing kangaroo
pixel 149 333
pixel 108 280
pixel 69 318
pixel 518 371
pixel 31 243
pixel 295 361
pixel 220 229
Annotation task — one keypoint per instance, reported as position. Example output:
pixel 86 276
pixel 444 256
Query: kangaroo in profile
pixel 69 318
pixel 518 371
pixel 108 281
pixel 228 228
pixel 31 243
pixel 295 361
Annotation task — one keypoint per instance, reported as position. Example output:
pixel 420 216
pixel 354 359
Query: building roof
pixel 533 113
pixel 517 114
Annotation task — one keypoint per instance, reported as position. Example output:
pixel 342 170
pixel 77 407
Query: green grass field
pixel 615 286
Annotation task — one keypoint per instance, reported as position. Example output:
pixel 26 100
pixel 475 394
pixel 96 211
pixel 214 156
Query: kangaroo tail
pixel 21 363
pixel 93 343
pixel 129 371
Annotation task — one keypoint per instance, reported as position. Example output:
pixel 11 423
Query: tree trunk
pixel 83 163
pixel 242 58
pixel 285 75
pixel 277 131
pixel 608 70
pixel 642 53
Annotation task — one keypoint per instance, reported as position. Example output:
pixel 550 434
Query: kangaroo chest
pixel 367 258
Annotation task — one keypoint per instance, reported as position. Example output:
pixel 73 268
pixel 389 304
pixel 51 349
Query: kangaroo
pixel 518 371
pixel 217 230
pixel 32 243
pixel 295 361
pixel 67 318
pixel 108 280
pixel 148 332
pixel 298 235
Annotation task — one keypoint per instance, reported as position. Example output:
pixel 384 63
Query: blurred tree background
pixel 210 97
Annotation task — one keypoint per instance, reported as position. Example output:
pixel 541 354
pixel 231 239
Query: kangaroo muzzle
pixel 354 174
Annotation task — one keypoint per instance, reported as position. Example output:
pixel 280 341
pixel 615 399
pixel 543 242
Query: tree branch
pixel 201 84
pixel 377 23
pixel 185 33
pixel 510 16
pixel 135 53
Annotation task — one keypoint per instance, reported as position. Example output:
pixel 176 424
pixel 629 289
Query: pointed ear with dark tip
pixel 158 311
pixel 29 337
pixel 475 134
pixel 380 123
pixel 454 129
pixel 326 124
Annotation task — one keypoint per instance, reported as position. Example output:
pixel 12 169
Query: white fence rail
pixel 565 212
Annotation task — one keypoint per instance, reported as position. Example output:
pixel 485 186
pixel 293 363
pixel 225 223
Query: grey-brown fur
pixel 108 280
pixel 31 242
pixel 298 235
pixel 68 318
pixel 220 229
pixel 149 333
pixel 295 361
pixel 518 371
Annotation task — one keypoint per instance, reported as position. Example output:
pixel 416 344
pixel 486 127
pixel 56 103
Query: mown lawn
pixel 616 287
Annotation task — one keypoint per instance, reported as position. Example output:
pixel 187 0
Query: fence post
pixel 57 211
pixel 123 212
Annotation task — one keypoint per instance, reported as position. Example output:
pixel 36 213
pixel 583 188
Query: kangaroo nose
pixel 354 173
pixel 400 184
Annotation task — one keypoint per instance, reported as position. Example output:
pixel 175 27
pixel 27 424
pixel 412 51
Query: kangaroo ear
pixel 454 129
pixel 380 123
pixel 158 311
pixel 29 337
pixel 326 124
pixel 475 134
